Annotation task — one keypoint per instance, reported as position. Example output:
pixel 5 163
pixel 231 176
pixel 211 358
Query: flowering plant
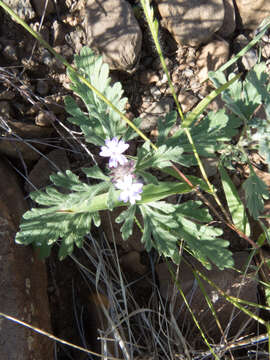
pixel 133 184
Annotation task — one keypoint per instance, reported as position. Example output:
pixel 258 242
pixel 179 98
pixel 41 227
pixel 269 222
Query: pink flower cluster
pixel 114 149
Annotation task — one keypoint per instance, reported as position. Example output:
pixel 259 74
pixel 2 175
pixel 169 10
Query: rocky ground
pixel 196 37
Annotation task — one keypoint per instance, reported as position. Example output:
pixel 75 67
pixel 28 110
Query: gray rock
pixel 39 176
pixel 23 8
pixel 230 281
pixel 266 51
pixel 192 22
pixel 155 111
pixel 212 56
pixel 249 59
pixel 42 87
pixel 112 29
pixel 23 290
pixel 187 101
pixel 252 12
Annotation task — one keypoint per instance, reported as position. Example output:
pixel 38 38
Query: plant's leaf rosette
pixel 67 217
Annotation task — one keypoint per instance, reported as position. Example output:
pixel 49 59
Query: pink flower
pixel 130 191
pixel 114 149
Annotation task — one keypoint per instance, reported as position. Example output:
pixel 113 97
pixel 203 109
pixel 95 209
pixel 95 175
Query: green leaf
pixel 194 114
pixel 100 121
pixel 208 136
pixel 165 125
pixel 164 242
pixel 162 157
pixel 127 216
pixel 194 210
pixel 95 173
pixel 255 192
pixel 57 221
pixel 206 245
pixel 166 224
pixel 236 207
pixel 263 137
pixel 147 177
pixel 112 197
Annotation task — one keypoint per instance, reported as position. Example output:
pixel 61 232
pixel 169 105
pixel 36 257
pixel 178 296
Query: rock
pixel 39 6
pixel 156 110
pixel 10 53
pixel 249 59
pixel 13 144
pixel 55 103
pixel 42 87
pixel 187 101
pixel 155 92
pixel 44 118
pixel 23 8
pixel 192 22
pixel 39 176
pixel 230 281
pixel 112 29
pixel 266 51
pixel 131 263
pixel 23 291
pixel 212 56
pixel 252 13
pixel 229 22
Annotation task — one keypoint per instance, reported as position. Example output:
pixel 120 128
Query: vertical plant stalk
pixel 153 26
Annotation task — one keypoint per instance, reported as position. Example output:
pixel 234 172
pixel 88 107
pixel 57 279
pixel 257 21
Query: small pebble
pixel 42 87
pixel 43 119
pixel 9 53
pixel 249 59
pixel 187 73
pixel 46 58
pixel 155 92
pixel 266 51
pixel 266 38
